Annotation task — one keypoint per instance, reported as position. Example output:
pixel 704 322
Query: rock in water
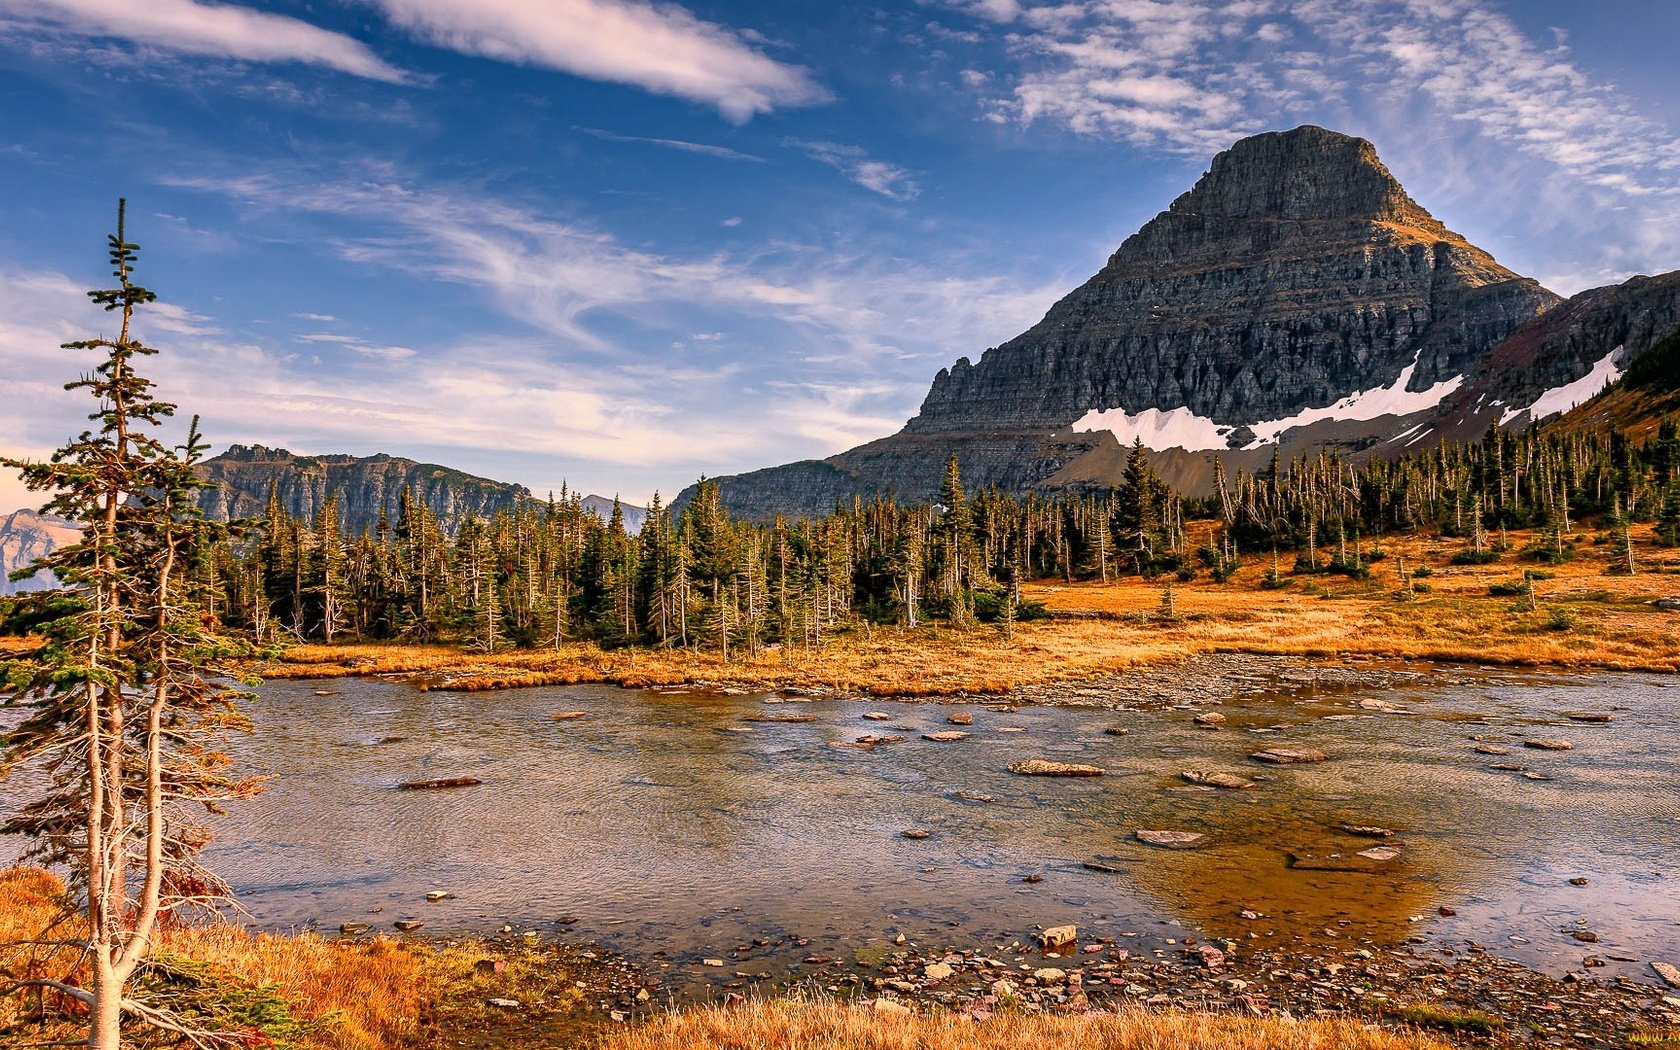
pixel 1588 716
pixel 1668 972
pixel 945 736
pixel 1549 744
pixel 1210 720
pixel 1214 778
pixel 1171 839
pixel 961 718
pixel 1282 756
pixel 441 782
pixel 1369 831
pixel 1058 936
pixel 1038 767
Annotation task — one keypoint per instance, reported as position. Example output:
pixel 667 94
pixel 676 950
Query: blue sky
pixel 623 245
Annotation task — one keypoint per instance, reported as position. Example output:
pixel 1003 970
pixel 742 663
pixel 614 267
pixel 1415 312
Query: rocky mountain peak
pixel 1309 173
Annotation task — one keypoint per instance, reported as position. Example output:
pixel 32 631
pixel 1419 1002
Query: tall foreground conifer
pixel 119 715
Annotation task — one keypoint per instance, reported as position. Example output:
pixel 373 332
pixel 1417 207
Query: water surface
pixel 666 822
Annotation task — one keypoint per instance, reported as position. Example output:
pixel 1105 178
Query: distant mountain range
pixel 24 537
pixel 242 478
pixel 1295 298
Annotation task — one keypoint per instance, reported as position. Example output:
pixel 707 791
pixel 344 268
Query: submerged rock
pixel 1283 756
pixel 1218 779
pixel 1369 831
pixel 441 782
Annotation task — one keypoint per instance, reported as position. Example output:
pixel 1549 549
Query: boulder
pixel 960 718
pixel 1058 936
pixel 1210 720
pixel 936 972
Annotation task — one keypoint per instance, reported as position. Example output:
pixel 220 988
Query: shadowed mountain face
pixel 1295 295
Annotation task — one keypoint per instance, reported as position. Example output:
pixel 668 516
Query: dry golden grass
pixel 345 995
pixel 832 1026
pixel 1588 618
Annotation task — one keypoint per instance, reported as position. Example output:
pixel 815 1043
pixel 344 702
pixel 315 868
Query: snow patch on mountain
pixel 1181 428
pixel 1605 371
pixel 1364 405
pixel 1159 429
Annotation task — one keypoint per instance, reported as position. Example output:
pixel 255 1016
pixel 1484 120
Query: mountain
pixel 1295 297
pixel 25 536
pixel 1564 359
pixel 601 507
pixel 242 477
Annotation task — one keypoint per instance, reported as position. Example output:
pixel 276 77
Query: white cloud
pixel 664 49
pixel 222 30
pixel 854 162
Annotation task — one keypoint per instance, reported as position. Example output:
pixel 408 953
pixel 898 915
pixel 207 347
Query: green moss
pixel 1448 1019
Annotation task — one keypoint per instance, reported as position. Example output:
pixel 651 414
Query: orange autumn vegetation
pixel 833 1026
pixel 343 995
pixel 1586 617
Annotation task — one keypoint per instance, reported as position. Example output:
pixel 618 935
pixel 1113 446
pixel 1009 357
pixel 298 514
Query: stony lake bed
pixel 1446 849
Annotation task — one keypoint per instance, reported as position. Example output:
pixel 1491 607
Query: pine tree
pixel 120 712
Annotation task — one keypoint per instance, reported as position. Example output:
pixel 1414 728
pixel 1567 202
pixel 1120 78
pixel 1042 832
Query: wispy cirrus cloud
pixel 681 145
pixel 220 30
pixel 665 49
pixel 1191 76
pixel 1478 66
pixel 876 176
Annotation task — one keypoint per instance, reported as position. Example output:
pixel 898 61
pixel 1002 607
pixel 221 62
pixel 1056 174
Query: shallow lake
pixel 678 825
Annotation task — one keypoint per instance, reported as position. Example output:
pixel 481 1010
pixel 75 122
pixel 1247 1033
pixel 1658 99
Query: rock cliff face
pixel 25 536
pixel 1556 362
pixel 242 476
pixel 1294 294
